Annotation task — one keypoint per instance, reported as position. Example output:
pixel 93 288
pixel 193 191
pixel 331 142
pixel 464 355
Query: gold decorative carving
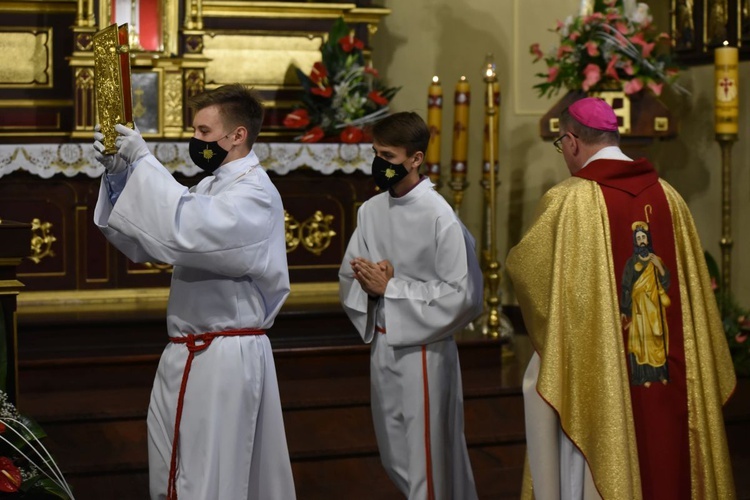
pixel 172 100
pixel 30 49
pixel 194 82
pixel 193 15
pixel 194 44
pixel 291 228
pixel 112 82
pixel 84 42
pixel 41 240
pixel 315 233
pixel 84 79
pixel 554 124
pixel 661 123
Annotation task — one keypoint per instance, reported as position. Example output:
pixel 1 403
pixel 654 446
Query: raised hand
pixel 130 145
pixel 112 163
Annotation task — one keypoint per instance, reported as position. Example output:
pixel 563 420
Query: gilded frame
pixel 48 45
pixel 170 25
pixel 706 24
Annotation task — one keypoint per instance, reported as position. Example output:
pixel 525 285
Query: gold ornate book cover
pixel 112 82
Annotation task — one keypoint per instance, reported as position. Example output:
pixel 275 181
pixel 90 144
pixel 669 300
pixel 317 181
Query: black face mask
pixel 207 155
pixel 386 174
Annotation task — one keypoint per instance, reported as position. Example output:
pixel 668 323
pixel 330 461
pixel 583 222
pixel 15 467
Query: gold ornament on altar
pixel 112 82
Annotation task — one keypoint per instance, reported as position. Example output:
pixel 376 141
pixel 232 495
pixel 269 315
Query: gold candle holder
pixel 726 141
pixel 459 161
pixel 726 127
pixel 494 323
pixel 434 123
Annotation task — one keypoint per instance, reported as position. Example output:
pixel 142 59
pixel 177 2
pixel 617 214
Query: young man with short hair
pixel 215 428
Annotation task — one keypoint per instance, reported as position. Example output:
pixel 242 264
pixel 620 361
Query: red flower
pixel 297 119
pixel 352 135
pixel 313 135
pixel 592 48
pixel 10 476
pixel 564 49
pixel 611 70
pixel 633 86
pixel 376 97
pixel 370 70
pixel 318 73
pixel 350 42
pixel 656 88
pixel 593 75
pixel 647 47
pixel 536 51
pixel 322 90
pixel 552 74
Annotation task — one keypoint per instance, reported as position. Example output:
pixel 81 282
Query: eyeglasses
pixel 558 142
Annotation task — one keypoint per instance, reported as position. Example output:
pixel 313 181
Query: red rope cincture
pixel 427 445
pixel 194 344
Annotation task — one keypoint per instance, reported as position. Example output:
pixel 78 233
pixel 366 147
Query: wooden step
pixel 94 410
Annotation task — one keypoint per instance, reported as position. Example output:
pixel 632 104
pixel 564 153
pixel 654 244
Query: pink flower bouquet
pixel 614 47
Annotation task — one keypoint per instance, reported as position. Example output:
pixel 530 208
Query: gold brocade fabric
pixel 708 363
pixel 564 279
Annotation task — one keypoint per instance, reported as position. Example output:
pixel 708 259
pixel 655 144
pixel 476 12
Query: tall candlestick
pixel 434 122
pixel 727 95
pixel 726 127
pixel 494 322
pixel 460 141
pixel 491 131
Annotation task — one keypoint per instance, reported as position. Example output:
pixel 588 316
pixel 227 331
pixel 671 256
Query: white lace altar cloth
pixel 70 159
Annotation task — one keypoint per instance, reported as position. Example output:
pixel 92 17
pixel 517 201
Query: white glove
pixel 130 145
pixel 112 163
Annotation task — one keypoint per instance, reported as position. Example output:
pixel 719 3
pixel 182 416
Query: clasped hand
pixel 372 277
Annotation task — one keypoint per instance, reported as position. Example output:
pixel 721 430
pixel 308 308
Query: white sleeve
pixel 357 305
pixel 420 312
pixel 226 233
pixel 127 245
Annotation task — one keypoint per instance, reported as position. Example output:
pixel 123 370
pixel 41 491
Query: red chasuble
pixel 643 251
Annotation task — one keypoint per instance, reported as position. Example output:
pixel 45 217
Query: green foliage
pixel 342 95
pixel 735 319
pixel 22 452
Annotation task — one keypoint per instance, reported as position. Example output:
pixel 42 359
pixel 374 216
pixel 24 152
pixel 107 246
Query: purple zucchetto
pixel 594 113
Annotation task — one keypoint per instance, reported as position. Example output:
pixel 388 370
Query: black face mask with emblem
pixel 386 174
pixel 207 155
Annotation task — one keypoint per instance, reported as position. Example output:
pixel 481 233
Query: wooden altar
pixel 177 48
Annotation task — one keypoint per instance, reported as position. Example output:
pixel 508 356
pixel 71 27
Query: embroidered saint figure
pixel 645 283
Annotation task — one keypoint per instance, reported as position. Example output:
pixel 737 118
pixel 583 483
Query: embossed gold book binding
pixel 112 82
